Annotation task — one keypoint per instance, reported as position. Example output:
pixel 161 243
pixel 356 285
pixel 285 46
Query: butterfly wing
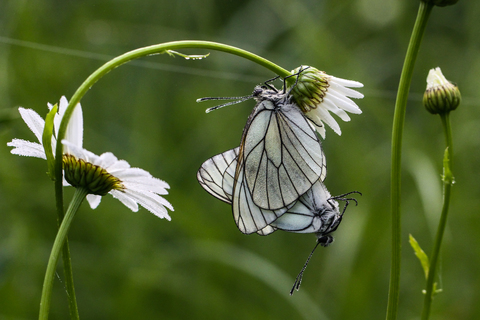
pixel 216 176
pixel 280 155
pixel 314 212
pixel 211 175
pixel 248 216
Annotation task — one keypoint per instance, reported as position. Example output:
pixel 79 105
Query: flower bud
pixel 441 3
pixel 441 96
pixel 311 88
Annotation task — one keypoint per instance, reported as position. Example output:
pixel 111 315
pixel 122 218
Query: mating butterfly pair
pixel 274 180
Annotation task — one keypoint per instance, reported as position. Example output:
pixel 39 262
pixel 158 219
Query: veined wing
pixel 315 212
pixel 280 155
pixel 248 216
pixel 216 176
pixel 211 174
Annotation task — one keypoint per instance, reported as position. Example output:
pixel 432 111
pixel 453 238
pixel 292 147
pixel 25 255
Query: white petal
pixel 152 202
pixel 347 83
pixel 325 117
pixel 33 121
pixel 27 148
pixel 329 105
pixel 345 91
pixel 81 153
pixel 106 160
pixel 119 165
pixel 142 177
pixel 93 200
pixel 74 132
pixel 125 199
pixel 148 186
pixel 343 102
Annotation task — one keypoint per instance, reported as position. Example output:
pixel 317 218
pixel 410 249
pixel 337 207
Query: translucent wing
pixel 314 212
pixel 216 176
pixel 248 216
pixel 280 155
pixel 211 175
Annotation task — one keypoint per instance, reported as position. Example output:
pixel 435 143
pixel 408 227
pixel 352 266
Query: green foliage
pixel 421 255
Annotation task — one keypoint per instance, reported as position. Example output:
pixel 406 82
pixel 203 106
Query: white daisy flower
pixel 317 94
pixel 98 174
pixel 73 134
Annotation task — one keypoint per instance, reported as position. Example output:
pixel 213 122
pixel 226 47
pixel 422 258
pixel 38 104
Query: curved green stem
pixel 80 194
pixel 138 53
pixel 447 186
pixel 90 81
pixel 397 133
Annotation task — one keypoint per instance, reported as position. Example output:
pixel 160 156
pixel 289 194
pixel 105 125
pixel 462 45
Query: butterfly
pixel 280 158
pixel 280 155
pixel 316 211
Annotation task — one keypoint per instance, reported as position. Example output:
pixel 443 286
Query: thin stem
pixel 90 81
pixel 67 262
pixel 80 194
pixel 397 133
pixel 447 185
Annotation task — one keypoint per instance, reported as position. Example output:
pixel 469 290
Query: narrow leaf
pixel 421 255
pixel 47 141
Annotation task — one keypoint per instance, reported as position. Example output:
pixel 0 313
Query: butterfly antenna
pixel 296 81
pixel 298 279
pixel 237 100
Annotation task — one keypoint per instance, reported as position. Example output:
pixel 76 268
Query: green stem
pixel 397 132
pixel 67 263
pixel 80 194
pixel 142 52
pixel 90 81
pixel 68 273
pixel 447 186
pixel 138 53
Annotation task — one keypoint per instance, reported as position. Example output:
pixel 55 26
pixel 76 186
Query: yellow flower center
pixel 80 173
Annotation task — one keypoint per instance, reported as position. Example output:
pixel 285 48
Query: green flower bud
pixel 80 173
pixel 441 3
pixel 441 96
pixel 311 88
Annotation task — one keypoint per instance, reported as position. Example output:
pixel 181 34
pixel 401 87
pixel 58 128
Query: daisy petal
pixel 125 199
pixel 27 148
pixel 33 121
pixel 93 200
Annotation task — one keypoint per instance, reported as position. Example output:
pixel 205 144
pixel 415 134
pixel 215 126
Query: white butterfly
pixel 314 212
pixel 280 155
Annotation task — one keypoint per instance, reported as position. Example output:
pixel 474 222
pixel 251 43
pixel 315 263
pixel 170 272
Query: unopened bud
pixel 441 96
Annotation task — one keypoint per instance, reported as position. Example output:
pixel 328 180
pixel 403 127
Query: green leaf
pixel 47 141
pixel 421 255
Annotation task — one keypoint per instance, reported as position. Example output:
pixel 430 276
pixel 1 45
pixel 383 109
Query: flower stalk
pixel 397 133
pixel 448 181
pixel 80 194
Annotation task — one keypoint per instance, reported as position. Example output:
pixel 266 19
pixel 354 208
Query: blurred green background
pixel 136 266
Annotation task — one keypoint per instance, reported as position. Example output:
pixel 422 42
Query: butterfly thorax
pixel 264 93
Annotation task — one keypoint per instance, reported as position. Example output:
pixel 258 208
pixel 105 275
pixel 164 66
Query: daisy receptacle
pixel 317 94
